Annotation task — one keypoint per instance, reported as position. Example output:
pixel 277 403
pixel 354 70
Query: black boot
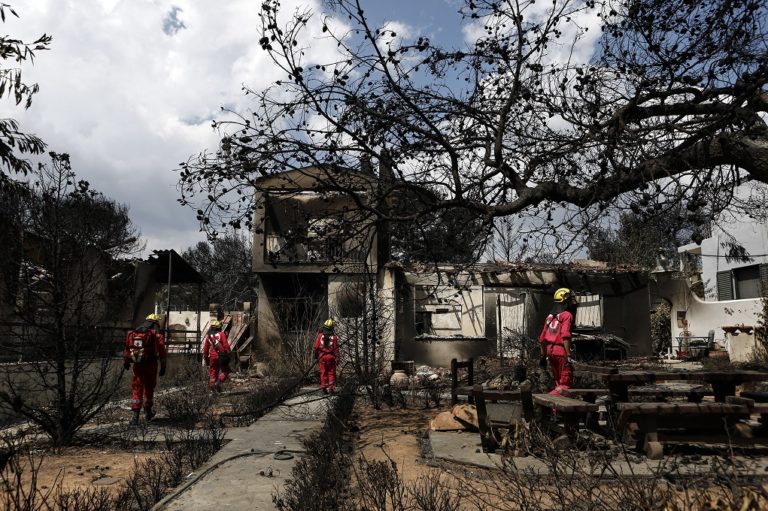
pixel 150 413
pixel 135 419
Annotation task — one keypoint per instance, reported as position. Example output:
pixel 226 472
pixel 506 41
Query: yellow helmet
pixel 216 323
pixel 328 323
pixel 562 294
pixel 153 317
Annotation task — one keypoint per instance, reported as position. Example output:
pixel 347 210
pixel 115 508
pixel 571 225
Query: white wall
pixel 704 316
pixel 751 233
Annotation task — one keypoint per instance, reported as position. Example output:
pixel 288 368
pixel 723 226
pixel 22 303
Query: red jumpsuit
pixel 213 345
pixel 326 350
pixel 556 329
pixel 150 344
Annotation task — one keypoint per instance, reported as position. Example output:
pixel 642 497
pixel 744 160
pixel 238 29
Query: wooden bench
pixel 758 397
pixel 588 395
pixel 571 410
pixel 598 372
pixel 456 389
pixel 490 415
pixel 693 395
pixel 641 423
pixel 754 406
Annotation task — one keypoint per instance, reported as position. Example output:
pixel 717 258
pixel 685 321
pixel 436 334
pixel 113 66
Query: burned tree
pixel 561 113
pixel 226 265
pixel 63 363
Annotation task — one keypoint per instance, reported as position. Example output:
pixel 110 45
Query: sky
pixel 129 87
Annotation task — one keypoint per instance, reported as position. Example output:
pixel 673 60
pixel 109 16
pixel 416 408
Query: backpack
pixel 553 326
pixel 139 344
pixel 224 356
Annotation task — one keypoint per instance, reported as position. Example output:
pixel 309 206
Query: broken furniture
pixel 650 425
pixel 599 346
pixel 515 405
pixel 461 390
pixel 694 347
pixel 571 410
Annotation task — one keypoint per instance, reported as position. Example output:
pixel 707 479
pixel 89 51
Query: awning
pixel 181 271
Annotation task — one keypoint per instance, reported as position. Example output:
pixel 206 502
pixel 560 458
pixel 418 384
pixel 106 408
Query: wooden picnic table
pixel 723 382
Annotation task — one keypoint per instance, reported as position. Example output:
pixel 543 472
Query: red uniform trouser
pixel 561 370
pixel 217 372
pixel 327 372
pixel 144 381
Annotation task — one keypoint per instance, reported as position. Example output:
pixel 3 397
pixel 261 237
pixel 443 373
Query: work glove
pixel 162 371
pixel 126 366
pixel 543 362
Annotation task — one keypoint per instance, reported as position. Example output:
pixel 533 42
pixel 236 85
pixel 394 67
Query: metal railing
pixel 20 342
pixel 312 250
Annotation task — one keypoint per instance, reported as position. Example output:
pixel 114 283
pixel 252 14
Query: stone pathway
pixel 245 473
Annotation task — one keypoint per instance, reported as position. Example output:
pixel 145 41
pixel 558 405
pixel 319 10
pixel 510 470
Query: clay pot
pixel 399 379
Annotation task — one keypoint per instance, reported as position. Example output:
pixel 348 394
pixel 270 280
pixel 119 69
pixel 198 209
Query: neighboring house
pixel 104 294
pixel 732 277
pixel 448 313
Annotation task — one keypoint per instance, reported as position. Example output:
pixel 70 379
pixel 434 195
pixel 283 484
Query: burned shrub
pixel 252 405
pixel 189 405
pixel 379 485
pixel 429 492
pixel 319 479
pixel 84 499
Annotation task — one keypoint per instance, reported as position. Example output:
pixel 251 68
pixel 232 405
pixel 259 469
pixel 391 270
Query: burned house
pixel 444 313
pixel 319 252
pixel 316 254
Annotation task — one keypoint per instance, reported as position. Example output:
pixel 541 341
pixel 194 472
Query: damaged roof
pixel 181 271
pixel 583 275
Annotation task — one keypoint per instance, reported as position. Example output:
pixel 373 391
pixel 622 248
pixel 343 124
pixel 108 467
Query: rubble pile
pixel 460 417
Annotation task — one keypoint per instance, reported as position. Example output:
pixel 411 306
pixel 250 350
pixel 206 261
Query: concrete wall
pixel 438 352
pixel 629 317
pixel 625 313
pixel 186 320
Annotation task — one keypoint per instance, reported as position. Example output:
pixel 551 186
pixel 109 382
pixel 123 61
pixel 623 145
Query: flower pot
pixel 399 379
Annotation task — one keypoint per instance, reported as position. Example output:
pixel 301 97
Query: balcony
pixel 312 250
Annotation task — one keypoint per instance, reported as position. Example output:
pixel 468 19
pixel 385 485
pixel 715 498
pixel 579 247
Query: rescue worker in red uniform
pixel 145 348
pixel 555 339
pixel 326 351
pixel 217 354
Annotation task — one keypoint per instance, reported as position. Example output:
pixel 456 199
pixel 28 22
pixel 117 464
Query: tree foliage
pixel 65 237
pixel 538 116
pixel 225 263
pixel 640 241
pixel 13 142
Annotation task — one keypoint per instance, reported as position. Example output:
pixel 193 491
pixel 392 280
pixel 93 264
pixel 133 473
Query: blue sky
pixel 129 87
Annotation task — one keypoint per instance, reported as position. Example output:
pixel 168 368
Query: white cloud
pixel 130 86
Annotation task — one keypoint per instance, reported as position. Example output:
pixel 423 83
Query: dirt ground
pixel 394 433
pixel 79 467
